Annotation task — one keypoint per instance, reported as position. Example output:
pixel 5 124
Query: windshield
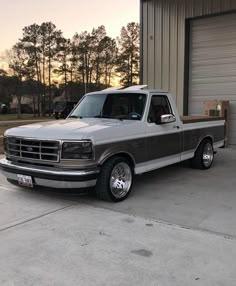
pixel 117 106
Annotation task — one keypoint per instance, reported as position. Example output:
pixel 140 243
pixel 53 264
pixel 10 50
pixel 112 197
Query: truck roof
pixel 131 89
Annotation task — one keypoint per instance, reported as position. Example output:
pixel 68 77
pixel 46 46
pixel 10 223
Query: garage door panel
pixel 215 71
pixel 214 61
pixel 233 116
pixel 209 54
pixel 214 80
pixel 220 93
pixel 202 98
pixel 212 74
pixel 209 34
pixel 217 54
pixel 211 26
pixel 232 124
pixel 203 87
pixel 205 55
pixel 214 23
pixel 196 108
pixel 232 109
pixel 232 138
pixel 212 94
pixel 232 141
pixel 221 41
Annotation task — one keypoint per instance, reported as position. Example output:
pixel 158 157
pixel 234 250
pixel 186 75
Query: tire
pixel 204 156
pixel 13 182
pixel 110 186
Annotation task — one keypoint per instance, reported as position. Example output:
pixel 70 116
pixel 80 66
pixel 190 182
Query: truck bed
pixel 195 119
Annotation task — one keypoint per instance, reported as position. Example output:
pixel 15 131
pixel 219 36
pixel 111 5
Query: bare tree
pixel 63 55
pixel 19 60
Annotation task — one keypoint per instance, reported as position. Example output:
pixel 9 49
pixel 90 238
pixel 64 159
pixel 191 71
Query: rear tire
pixel 204 156
pixel 115 180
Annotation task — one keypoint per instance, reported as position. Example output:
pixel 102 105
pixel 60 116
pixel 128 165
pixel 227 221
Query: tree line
pixel 44 59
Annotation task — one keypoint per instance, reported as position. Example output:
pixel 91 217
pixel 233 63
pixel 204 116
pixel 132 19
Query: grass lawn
pixel 9 117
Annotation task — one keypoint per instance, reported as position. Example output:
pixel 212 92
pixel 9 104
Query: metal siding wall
pixel 180 57
pixel 216 6
pixel 158 46
pixel 233 4
pixel 151 42
pixel 190 8
pixel 198 7
pixel 163 54
pixel 225 5
pixel 145 41
pixel 213 65
pixel 173 47
pixel 166 46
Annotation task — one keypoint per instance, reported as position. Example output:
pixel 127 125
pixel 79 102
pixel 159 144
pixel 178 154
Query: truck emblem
pixel 30 149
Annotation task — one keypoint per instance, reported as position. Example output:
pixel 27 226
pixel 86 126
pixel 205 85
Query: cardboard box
pixel 218 108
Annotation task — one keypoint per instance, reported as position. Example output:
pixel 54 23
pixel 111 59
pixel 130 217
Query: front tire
pixel 115 180
pixel 204 156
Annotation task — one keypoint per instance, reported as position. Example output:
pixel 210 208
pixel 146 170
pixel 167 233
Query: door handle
pixel 176 126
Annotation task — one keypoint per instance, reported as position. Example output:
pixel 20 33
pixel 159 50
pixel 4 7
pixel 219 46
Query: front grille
pixel 33 149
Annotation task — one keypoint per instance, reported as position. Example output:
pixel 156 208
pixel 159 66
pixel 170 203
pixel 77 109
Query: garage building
pixel 189 48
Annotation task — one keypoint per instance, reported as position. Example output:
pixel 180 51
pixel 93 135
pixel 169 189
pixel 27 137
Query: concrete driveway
pixel 177 228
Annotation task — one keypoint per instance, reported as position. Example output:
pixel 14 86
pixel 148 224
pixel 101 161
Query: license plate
pixel 25 181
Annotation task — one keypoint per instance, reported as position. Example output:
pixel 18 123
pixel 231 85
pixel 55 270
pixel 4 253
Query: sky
pixel 70 16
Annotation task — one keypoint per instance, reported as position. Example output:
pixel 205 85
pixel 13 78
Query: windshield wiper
pixel 107 116
pixel 74 116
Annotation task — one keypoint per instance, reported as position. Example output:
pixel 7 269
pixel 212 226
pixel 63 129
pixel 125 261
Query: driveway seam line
pixel 37 217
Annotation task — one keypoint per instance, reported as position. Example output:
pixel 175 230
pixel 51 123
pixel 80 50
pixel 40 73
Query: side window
pixel 159 106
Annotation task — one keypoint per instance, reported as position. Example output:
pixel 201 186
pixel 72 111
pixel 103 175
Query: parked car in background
pixel 3 108
pixel 63 108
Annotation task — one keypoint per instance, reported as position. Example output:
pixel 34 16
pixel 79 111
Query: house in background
pixel 189 48
pixel 26 104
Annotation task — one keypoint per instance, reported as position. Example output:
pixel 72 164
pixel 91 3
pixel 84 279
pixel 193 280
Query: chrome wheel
pixel 208 154
pixel 120 180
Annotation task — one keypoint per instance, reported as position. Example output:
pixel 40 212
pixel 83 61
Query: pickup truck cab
pixel 109 137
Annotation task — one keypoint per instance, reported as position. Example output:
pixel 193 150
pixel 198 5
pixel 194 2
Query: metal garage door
pixel 213 65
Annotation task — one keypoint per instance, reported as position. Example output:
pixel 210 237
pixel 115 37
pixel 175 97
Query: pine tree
pixel 128 57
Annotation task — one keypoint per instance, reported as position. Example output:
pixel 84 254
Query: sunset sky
pixel 70 16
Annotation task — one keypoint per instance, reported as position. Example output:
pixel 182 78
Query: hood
pixel 76 129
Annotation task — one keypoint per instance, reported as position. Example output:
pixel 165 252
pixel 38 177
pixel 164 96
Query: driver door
pixel 164 141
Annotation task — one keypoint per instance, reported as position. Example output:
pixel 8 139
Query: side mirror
pixel 167 118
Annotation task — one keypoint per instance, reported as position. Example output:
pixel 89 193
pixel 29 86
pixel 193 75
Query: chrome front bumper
pixel 51 177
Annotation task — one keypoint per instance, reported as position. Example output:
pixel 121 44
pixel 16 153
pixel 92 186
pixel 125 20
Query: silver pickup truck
pixel 109 137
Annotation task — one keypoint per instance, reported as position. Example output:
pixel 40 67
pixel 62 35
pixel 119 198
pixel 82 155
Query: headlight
pixel 77 150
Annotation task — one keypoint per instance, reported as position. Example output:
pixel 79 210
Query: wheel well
pixel 123 155
pixel 207 137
